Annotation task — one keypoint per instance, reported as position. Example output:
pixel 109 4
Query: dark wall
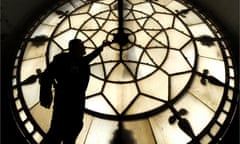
pixel 17 14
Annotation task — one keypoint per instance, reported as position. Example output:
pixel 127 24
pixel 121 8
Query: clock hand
pixel 31 79
pixel 121 38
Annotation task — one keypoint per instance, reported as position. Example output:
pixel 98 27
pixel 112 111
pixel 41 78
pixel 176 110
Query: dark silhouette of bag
pixel 45 90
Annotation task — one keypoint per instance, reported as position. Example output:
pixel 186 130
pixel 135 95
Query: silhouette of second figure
pixel 69 73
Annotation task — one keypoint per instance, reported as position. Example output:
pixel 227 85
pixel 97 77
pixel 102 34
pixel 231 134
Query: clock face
pixel 168 73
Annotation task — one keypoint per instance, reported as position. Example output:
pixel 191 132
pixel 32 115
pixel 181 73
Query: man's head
pixel 76 47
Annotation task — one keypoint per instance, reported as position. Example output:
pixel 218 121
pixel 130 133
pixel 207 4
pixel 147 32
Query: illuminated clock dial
pixel 168 73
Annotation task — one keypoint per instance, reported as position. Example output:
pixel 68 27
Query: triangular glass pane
pixel 145 59
pixel 132 67
pixel 91 24
pixel 141 21
pixel 152 24
pixel 108 67
pixel 162 38
pixel 97 70
pixel 143 104
pixel 120 95
pixel 101 21
pixel 158 54
pixel 179 25
pixel 189 53
pixel 144 70
pixel 99 104
pixel 94 86
pixel 121 73
pixel 143 38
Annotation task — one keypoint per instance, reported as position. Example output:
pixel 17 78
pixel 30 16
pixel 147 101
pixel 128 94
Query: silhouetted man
pixel 69 73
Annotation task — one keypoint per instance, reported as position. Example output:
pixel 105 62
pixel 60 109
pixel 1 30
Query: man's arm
pixel 96 52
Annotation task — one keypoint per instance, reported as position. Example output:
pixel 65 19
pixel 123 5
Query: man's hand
pixel 106 43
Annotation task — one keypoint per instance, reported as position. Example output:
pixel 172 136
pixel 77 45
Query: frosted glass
pixel 34 51
pixel 31 91
pixel 78 20
pixel 198 114
pixel 132 54
pixel 29 67
pixel 139 132
pixel 97 8
pixel 53 19
pixel 210 94
pixel 146 6
pixel 101 131
pixel 67 7
pixel 174 5
pixel 144 104
pixel 94 86
pixel 215 67
pixel 99 37
pixel 191 18
pixel 64 26
pixel 164 2
pixel 121 73
pixel 152 24
pixel 120 95
pixel 177 39
pixel 65 37
pixel 206 139
pixel 201 30
pixel 87 121
pixel 166 20
pixel 146 59
pixel 42 116
pixel 22 115
pixel 18 104
pixel 37 137
pixel 155 85
pixel 157 54
pixel 179 25
pixel 99 104
pixel 210 52
pixel 29 126
pixel 189 53
pixel 77 3
pixel 43 29
pixel 164 132
pixel 175 63
pixel 222 117
pixel 214 130
pixel 178 83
